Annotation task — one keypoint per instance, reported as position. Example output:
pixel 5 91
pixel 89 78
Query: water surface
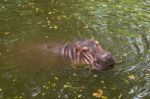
pixel 121 26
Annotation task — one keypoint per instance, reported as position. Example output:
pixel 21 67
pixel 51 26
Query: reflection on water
pixel 27 72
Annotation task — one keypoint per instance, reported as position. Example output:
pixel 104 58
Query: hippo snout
pixel 104 61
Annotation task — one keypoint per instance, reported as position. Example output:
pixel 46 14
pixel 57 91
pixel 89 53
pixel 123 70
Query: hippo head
pixel 99 58
pixel 103 61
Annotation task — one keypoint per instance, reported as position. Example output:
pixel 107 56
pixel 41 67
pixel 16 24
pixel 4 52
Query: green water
pixel 121 26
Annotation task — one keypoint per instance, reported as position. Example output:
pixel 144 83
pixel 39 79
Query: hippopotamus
pixel 87 51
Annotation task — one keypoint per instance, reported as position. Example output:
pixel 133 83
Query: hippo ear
pixel 92 37
pixel 77 47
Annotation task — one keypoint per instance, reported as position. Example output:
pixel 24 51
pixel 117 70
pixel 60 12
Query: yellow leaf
pixel 6 33
pixel 104 97
pixel 43 94
pixel 131 77
pixel 98 94
pixel 37 9
pixel 102 82
pixel 49 12
pixel 56 78
pixel 55 27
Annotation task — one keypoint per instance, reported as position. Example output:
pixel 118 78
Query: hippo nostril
pixel 98 62
pixel 109 58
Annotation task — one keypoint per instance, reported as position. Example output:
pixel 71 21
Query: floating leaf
pixel 120 96
pixel 37 9
pixel 49 82
pixel 56 78
pixel 46 36
pixel 55 27
pixel 86 27
pixel 53 85
pixel 13 80
pixel 95 75
pixel 104 97
pixel 113 88
pixel 17 97
pixel 131 77
pixel 43 94
pixel 98 94
pixel 59 18
pixel 43 26
pixel 44 86
pixel 50 12
pixel 102 82
pixel 48 22
pixel 6 33
pixel 39 22
pixel 74 74
pixel 79 96
pixel 147 74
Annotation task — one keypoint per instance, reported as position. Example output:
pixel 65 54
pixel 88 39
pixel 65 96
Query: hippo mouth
pixel 102 65
pixel 105 61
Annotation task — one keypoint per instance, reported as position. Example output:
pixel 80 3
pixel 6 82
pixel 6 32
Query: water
pixel 122 27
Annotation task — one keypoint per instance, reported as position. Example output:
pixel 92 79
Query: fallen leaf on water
pixel 131 77
pixel 59 18
pixel 39 22
pixel 98 94
pixel 95 75
pixel 79 96
pixel 85 27
pixel 49 12
pixel 102 82
pixel 6 33
pixel 53 85
pixel 37 9
pixel 43 26
pixel 49 82
pixel 104 97
pixel 43 94
pixel 46 36
pixel 13 80
pixel 112 88
pixel 48 22
pixel 56 78
pixel 50 27
pixel 120 96
pixel 55 27
pixel 147 74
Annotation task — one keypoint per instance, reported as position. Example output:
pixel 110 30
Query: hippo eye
pixel 85 48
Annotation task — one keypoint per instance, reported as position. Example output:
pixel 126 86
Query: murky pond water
pixel 121 26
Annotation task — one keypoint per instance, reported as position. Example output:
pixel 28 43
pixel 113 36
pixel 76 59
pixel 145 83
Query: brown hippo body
pixel 88 52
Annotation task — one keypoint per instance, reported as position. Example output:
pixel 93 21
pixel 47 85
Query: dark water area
pixel 121 26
